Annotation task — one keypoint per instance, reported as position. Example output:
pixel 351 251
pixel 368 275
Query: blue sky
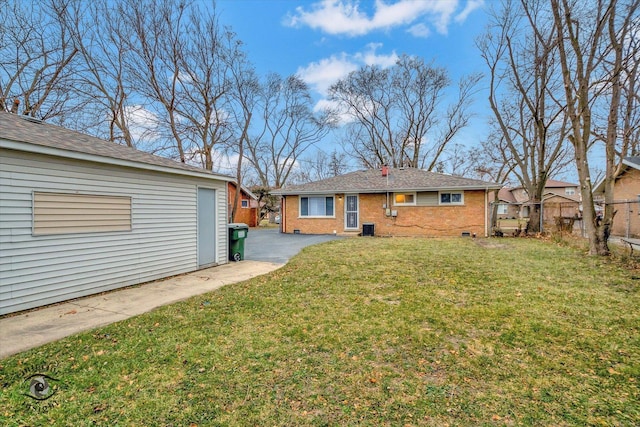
pixel 322 41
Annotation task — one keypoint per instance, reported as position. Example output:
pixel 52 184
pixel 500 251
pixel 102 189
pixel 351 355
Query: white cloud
pixel 322 74
pixel 142 122
pixel 419 30
pixel 340 113
pixel 370 57
pixel 346 17
pixel 470 7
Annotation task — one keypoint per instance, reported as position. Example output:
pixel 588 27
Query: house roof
pixel 633 162
pixel 24 133
pixel 400 179
pixel 550 195
pixel 506 195
pixel 244 190
pixel 552 183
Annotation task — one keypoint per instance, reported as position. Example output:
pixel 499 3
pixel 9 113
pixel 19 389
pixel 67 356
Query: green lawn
pixel 364 331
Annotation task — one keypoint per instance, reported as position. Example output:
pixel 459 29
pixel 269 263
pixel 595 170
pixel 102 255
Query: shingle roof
pixel 23 129
pixel 506 195
pixel 633 161
pixel 372 181
pixel 552 183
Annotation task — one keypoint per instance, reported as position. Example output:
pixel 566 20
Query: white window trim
pixel 415 197
pixel 244 203
pixel 316 216
pixel 504 207
pixel 461 202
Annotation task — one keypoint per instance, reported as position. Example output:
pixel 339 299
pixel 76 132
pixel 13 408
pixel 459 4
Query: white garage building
pixel 80 215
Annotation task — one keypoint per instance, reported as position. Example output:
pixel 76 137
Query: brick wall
pixel 248 215
pixel 411 220
pixel 627 218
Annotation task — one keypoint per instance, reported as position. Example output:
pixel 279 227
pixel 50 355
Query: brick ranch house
pixel 388 202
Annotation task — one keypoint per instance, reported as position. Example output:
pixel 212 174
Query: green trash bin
pixel 237 233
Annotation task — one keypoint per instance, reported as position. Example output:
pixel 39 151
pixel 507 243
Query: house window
pixel 404 199
pixel 502 208
pixel 451 198
pixel 316 206
pixel 58 213
pixel 245 203
pixel 569 191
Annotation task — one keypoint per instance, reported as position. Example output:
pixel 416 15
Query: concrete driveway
pixel 269 245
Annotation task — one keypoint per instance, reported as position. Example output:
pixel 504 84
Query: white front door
pixel 351 220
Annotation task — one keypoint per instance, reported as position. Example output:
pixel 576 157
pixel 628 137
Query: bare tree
pixel 36 59
pixel 630 97
pixel 182 61
pixel 288 128
pixel 628 141
pixel 591 42
pixel 321 165
pixel 100 34
pixel 156 50
pixel 396 114
pixel 493 162
pixel 520 52
pixel 245 88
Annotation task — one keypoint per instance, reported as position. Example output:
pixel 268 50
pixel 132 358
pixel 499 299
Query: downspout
pixel 486 211
pixel 628 231
pixel 283 210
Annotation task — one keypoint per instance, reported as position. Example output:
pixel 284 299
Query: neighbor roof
pixel 400 179
pixel 552 183
pixel 633 162
pixel 505 195
pixel 27 134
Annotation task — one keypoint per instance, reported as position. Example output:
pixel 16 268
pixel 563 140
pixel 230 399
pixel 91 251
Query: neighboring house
pixel 79 215
pixel 626 191
pixel 559 199
pixel 247 207
pixel 388 202
pixel 508 206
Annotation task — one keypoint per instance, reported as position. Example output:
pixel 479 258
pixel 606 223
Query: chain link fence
pixel 512 219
